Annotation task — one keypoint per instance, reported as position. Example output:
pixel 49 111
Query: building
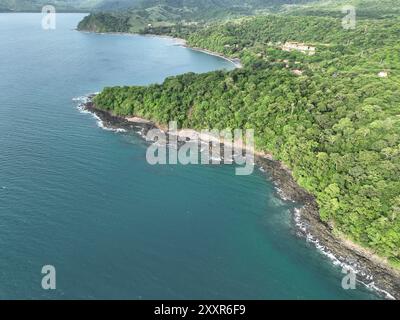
pixel 297 72
pixel 383 74
pixel 290 46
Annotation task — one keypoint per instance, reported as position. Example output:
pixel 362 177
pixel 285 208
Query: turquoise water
pixel 84 199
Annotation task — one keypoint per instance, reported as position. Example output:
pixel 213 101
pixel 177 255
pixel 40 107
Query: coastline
pixel 371 270
pixel 236 62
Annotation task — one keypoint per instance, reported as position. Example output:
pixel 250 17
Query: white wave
pixel 82 99
pixel 116 130
pixel 81 107
pixel 336 261
pixel 282 194
pixel 100 124
pixel 79 99
pixel 372 286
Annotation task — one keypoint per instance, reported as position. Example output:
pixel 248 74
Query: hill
pixel 331 117
pixel 37 5
pixel 161 13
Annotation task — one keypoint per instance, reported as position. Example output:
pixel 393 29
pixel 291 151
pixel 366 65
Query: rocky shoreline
pixel 116 122
pixel 235 61
pixel 371 270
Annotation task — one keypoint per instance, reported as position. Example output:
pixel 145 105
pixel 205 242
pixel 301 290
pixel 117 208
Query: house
pixel 297 72
pixel 383 74
pixel 290 46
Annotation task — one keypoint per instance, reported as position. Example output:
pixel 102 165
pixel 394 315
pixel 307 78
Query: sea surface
pixel 84 200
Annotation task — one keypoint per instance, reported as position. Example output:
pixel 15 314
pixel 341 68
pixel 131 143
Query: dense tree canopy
pixel 141 16
pixel 336 125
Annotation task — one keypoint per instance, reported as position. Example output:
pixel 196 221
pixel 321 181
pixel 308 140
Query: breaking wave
pixel 335 260
pixel 81 101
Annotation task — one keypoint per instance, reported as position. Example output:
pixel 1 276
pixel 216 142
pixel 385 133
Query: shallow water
pixel 85 200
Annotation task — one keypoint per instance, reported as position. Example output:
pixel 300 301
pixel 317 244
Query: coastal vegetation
pixel 366 9
pixel 153 16
pixel 146 15
pixel 333 117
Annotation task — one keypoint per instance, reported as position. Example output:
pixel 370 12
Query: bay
pixel 84 199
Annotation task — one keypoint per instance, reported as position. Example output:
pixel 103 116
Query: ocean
pixel 83 199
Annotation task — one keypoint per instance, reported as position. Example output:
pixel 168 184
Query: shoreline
pixel 235 61
pixel 371 270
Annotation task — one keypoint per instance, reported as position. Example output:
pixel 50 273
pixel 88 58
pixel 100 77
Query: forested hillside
pixel 147 14
pixel 364 8
pixel 67 5
pixel 332 117
pixel 113 5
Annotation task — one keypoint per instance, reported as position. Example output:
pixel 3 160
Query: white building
pixel 290 46
pixel 297 72
pixel 383 74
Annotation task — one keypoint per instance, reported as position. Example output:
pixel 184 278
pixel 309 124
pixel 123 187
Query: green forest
pixel 145 15
pixel 153 16
pixel 332 117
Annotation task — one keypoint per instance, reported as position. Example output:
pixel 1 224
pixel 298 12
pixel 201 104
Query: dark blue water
pixel 85 200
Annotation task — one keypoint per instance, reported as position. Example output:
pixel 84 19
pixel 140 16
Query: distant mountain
pixel 139 15
pixel 364 8
pixel 37 5
pixel 212 8
pixel 122 5
pixel 114 5
pixel 67 5
pixel 198 4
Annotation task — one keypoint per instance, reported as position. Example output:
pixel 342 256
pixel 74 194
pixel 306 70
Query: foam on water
pixel 282 196
pixel 335 260
pixel 281 193
pixel 100 123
